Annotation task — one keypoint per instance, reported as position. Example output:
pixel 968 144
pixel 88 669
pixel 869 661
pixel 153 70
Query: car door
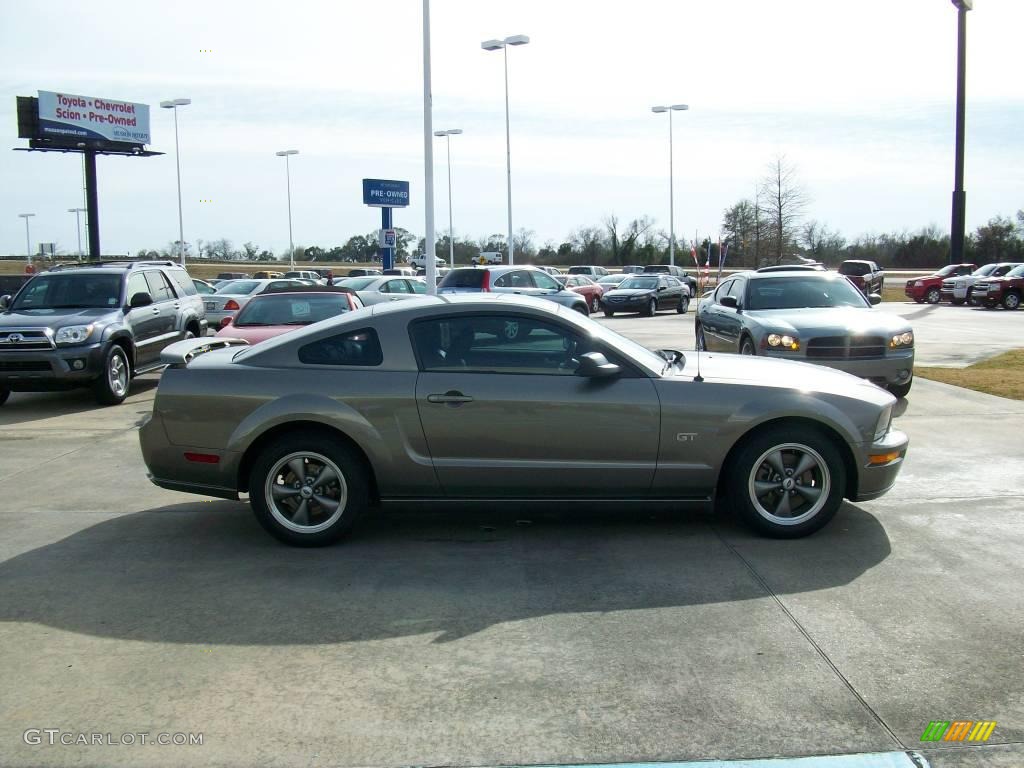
pixel 145 322
pixel 166 301
pixel 711 314
pixel 730 321
pixel 509 418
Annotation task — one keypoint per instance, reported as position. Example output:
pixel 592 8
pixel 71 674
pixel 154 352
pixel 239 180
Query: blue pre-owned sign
pixel 385 193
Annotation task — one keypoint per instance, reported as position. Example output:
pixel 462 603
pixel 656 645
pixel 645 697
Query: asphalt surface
pixel 518 635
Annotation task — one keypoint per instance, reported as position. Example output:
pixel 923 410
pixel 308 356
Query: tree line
pixel 771 228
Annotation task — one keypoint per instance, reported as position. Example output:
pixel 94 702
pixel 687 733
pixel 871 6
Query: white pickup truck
pixel 420 261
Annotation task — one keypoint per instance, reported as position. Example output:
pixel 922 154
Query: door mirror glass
pixel 596 366
pixel 874 298
pixel 729 301
pixel 141 299
pixel 5 301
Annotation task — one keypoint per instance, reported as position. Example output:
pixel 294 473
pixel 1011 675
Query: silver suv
pixel 95 325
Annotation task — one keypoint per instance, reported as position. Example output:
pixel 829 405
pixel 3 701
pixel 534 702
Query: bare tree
pixel 821 243
pixel 785 201
pixel 624 244
pixel 522 242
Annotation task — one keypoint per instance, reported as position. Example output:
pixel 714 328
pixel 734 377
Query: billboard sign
pixel 66 117
pixel 385 193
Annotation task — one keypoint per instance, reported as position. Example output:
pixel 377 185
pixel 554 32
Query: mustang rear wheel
pixel 308 489
pixel 787 482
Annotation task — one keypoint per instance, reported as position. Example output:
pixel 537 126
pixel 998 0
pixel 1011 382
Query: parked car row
pixel 984 286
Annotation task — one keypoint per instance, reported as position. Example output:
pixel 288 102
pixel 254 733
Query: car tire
pixel 1011 301
pixel 684 304
pixel 4 394
pixel 595 305
pixel 652 308
pixel 609 313
pixel 582 308
pixel 901 390
pixel 934 296
pixel 747 346
pixel 300 516
pixel 111 387
pixel 701 343
pixel 764 497
pixel 919 301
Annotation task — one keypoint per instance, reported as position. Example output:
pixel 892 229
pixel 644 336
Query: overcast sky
pixel 859 96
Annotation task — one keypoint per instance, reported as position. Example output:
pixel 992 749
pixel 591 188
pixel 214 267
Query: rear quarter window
pixel 360 347
pixel 182 282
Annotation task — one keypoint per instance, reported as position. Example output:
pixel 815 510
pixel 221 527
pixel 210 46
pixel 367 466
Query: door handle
pixel 156 310
pixel 451 397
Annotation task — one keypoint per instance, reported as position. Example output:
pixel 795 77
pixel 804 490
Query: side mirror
pixel 5 301
pixel 141 299
pixel 874 298
pixel 661 288
pixel 595 365
pixel 729 301
pixel 225 322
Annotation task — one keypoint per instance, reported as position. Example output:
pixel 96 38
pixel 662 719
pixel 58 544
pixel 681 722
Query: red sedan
pixel 584 286
pixel 274 313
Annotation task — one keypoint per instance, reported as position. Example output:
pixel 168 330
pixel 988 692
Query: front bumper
pixel 631 304
pixel 897 367
pixel 874 480
pixel 41 370
pixel 915 292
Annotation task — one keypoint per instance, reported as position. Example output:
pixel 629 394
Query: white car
pixel 420 261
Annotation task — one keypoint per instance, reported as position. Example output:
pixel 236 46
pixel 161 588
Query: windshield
pixel 1016 271
pixel 1002 270
pixel 642 283
pixel 803 293
pixel 611 279
pixel 238 287
pixel 70 291
pixel 291 309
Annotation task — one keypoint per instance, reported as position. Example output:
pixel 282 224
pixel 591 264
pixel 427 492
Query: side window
pixel 136 284
pixel 548 283
pixel 182 282
pixel 361 347
pixel 418 287
pixel 672 282
pixel 399 286
pixel 158 287
pixel 723 290
pixel 516 279
pixel 497 344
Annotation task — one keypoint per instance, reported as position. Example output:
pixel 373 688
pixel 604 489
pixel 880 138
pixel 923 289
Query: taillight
pixel 231 305
pixel 225 322
pixel 486 284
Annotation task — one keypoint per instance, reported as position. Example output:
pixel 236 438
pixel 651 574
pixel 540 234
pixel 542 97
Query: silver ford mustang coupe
pixel 434 400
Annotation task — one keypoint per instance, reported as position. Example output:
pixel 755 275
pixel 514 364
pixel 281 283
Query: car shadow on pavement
pixel 24 407
pixel 207 573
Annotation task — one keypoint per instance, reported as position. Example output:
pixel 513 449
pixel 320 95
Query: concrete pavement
pixel 515 635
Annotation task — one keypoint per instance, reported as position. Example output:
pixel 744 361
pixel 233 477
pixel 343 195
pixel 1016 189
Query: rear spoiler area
pixel 181 353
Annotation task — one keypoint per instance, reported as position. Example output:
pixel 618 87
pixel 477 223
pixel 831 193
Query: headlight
pixel 884 423
pixel 783 341
pixel 918 284
pixel 73 334
pixel 902 340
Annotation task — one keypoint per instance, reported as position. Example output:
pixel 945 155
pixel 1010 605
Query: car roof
pixel 814 274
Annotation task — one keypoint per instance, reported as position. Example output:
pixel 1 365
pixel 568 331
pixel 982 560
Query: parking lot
pixel 515 635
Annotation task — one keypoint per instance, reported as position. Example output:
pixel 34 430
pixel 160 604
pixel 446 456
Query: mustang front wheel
pixel 308 489
pixel 787 483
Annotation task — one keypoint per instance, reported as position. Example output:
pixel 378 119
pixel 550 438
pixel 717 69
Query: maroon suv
pixel 866 275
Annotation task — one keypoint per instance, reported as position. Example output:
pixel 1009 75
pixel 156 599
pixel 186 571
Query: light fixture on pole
pixel 502 45
pixel 451 231
pixel 956 234
pixel 173 104
pixel 78 228
pixel 671 195
pixel 28 239
pixel 286 153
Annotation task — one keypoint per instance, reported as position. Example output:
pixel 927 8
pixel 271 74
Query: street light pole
pixel 956 235
pixel 451 230
pixel 78 228
pixel 173 104
pixel 28 239
pixel 287 153
pixel 502 45
pixel 671 191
